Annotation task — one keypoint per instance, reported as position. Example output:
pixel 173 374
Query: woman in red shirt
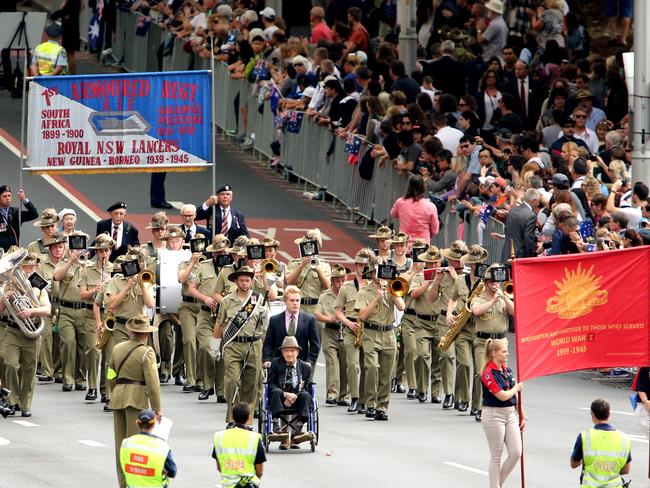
pixel 418 217
pixel 501 423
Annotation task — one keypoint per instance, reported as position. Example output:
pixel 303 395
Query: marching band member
pixel 224 286
pixel 491 309
pixel 332 340
pixel 261 282
pixel 47 223
pixel 383 235
pixel 271 252
pixel 346 314
pixel 241 321
pixel 93 279
pixel 19 351
pixel 376 310
pixel 310 274
pixel 158 227
pixel 72 315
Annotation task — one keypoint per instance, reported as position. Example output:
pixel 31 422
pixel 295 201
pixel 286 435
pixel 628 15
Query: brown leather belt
pixel 124 381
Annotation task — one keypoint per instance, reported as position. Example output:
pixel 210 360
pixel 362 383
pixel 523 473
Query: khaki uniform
pixel 136 387
pixel 21 355
pixel 72 329
pixel 400 363
pixel 355 375
pixel 90 279
pixel 309 283
pixel 379 347
pixel 234 353
pixel 445 359
pixel 38 247
pixel 132 305
pixel 495 321
pixel 104 387
pixel 188 313
pixel 334 351
pixel 409 343
pixel 49 354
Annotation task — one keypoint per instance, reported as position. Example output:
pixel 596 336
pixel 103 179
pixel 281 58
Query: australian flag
pixel 278 121
pixel 275 99
pixel 293 122
pixel 352 147
pixel 93 26
pixel 142 26
pixel 486 212
pixel 587 229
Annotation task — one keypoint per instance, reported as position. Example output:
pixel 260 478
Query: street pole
pixel 640 126
pixel 408 38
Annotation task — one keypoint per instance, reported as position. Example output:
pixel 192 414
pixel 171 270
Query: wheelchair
pixel 288 417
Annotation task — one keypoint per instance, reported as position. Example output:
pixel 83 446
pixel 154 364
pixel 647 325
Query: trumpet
pixel 147 276
pixel 201 258
pixel 398 287
pixel 82 259
pixel 270 266
pixel 509 289
pixel 314 263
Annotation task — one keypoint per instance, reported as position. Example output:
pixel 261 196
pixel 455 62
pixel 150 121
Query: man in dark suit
pixel 289 379
pixel 230 221
pixel 529 95
pixel 121 231
pixel 520 228
pixel 292 322
pixel 9 217
pixel 189 226
pixel 448 74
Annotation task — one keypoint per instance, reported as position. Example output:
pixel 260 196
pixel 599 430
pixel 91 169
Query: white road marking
pixel 638 438
pixel 611 411
pixel 25 423
pixel 82 206
pixel 3 441
pixel 465 468
pixel 320 364
pixel 91 443
pixel 177 205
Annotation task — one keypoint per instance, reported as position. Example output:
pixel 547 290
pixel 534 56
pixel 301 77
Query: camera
pixel 5 408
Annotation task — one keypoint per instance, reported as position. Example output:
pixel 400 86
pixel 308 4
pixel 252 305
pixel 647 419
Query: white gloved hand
pixel 215 348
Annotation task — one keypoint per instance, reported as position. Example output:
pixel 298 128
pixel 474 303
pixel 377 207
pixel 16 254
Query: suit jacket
pixel 448 75
pixel 520 229
pixel 306 335
pixel 536 96
pixel 200 230
pixel 278 373
pixel 10 231
pixel 129 236
pixel 140 366
pixel 237 226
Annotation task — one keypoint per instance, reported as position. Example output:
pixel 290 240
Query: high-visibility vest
pixel 236 450
pixel 605 453
pixel 46 55
pixel 142 458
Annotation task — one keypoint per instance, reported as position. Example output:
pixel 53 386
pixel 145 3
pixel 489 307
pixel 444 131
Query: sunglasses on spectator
pixel 580 116
pixel 297 64
pixel 465 146
pixel 406 122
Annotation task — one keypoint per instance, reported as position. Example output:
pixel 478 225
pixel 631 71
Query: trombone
pixel 270 266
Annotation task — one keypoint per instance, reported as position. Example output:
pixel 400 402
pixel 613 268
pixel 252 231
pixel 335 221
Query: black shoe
pixel 58 380
pixel 455 405
pixel 45 379
pixel 179 381
pixel 256 414
pixel 91 395
pixel 435 399
pixel 67 387
pixel 221 399
pixel 164 378
pixel 330 401
pixel 412 394
pixel 79 387
pixel 379 415
pixel 188 389
pixel 343 403
pixel 478 415
pixel 12 410
pixel 107 408
pixel 354 406
pixel 422 396
pixel 370 413
pixel 449 401
pixel 205 394
pixel 26 413
pixel 361 409
pixel 104 399
pixel 162 204
pixel 462 406
pixel 400 389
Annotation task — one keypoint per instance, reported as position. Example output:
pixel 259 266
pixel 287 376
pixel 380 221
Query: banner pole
pixel 213 135
pixel 22 143
pixel 520 408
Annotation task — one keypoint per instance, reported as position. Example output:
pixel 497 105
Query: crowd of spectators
pixel 506 98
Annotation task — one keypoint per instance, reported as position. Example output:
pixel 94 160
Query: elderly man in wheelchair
pixel 290 392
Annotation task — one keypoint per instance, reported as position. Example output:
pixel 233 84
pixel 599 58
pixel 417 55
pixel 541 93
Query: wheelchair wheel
pixel 316 425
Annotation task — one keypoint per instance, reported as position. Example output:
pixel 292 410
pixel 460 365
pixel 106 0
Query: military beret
pixel 116 205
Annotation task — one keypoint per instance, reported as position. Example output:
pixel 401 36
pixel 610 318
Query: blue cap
pixel 54 30
pixel 146 416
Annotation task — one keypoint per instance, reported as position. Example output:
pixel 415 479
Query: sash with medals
pixel 240 318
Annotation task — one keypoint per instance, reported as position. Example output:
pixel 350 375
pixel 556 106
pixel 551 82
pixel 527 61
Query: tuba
pixel 14 280
pixel 461 319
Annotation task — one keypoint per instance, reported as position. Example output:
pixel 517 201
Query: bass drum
pixel 169 291
pixel 277 307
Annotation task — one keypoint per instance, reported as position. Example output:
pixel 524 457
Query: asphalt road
pixel 69 443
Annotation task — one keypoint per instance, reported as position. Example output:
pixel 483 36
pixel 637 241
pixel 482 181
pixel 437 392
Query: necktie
pixel 292 326
pixel 522 97
pixel 224 221
pixel 188 235
pixel 115 227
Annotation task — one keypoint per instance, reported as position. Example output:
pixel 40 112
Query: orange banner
pixel 582 311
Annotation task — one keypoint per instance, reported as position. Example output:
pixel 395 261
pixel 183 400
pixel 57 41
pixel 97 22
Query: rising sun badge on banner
pixel 577 293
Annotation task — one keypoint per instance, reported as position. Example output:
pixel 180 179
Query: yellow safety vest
pixel 605 453
pixel 142 458
pixel 46 55
pixel 236 449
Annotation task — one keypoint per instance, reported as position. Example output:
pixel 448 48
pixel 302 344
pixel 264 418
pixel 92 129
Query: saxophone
pixel 461 319
pixel 358 335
